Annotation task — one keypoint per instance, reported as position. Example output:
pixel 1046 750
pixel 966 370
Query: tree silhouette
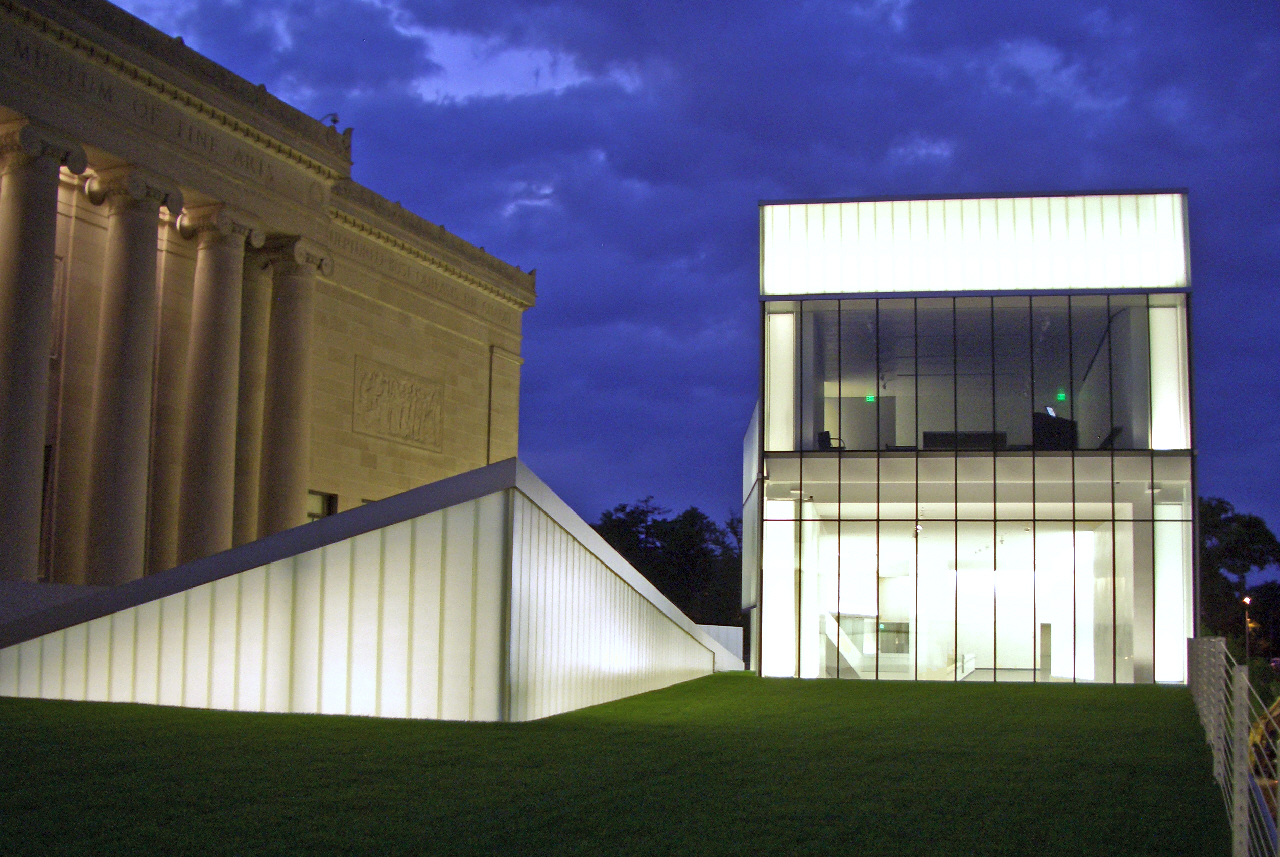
pixel 691 559
pixel 1233 545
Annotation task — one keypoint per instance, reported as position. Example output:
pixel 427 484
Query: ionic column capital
pixel 128 184
pixel 221 220
pixel 292 252
pixel 26 140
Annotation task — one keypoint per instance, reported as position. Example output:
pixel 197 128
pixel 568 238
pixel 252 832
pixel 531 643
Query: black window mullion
pixel 955 493
pixel 1035 518
pixel 1075 549
pixel 995 544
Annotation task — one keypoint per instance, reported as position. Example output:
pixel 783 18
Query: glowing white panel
pixel 147 655
pixel 335 627
pixel 308 574
pixel 459 590
pixel 278 660
pixel 1173 598
pixel 1085 562
pixel 1105 241
pixel 366 603
pixel 51 664
pixel 29 669
pixel 1170 408
pixel 424 662
pixel 585 630
pixel 120 684
pixel 252 644
pixel 224 642
pixel 491 585
pixel 778 592
pixel 393 668
pixel 172 631
pixel 406 618
pixel 780 380
pixel 196 647
pixel 76 651
pixel 819 553
pixel 9 671
pixel 99 669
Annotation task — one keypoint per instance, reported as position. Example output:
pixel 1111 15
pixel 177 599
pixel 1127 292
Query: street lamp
pixel 1247 602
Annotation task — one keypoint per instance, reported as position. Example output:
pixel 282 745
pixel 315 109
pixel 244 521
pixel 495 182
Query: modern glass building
pixel 973 459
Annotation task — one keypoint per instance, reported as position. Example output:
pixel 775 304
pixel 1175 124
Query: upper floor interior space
pixel 1030 323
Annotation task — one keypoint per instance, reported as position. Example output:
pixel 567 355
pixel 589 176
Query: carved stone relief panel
pixel 395 405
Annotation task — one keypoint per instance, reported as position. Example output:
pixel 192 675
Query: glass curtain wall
pixel 977 488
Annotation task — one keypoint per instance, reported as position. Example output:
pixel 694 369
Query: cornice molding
pixel 513 286
pixel 179 97
pixel 510 298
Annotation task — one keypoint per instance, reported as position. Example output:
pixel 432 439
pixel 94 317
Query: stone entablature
pixel 56 76
pixel 139 47
pixel 393 225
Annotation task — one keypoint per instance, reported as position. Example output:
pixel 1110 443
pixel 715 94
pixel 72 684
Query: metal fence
pixel 1242 734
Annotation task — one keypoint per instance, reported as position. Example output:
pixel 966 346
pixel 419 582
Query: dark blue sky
pixel 621 148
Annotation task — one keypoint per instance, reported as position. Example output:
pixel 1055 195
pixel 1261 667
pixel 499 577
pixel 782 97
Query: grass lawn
pixel 731 764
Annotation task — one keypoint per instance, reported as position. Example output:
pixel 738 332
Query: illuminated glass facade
pixel 958 485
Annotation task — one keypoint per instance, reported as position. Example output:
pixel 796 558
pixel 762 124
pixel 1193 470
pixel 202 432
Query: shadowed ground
pixel 731 764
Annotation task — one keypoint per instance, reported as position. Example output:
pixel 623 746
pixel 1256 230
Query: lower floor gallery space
pixel 932 568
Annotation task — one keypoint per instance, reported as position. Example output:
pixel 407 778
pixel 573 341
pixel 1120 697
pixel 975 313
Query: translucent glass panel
pixel 779 564
pixel 404 621
pixel 489 609
pixel 1013 592
pixel 1130 358
pixel 895 629
pixel 1003 566
pixel 1170 398
pixel 936 371
pixel 897 371
pixel 1114 241
pixel 780 378
pixel 1047 372
pixel 852 622
pixel 1011 378
pixel 581 634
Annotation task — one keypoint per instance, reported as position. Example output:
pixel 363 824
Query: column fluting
pixel 123 381
pixel 286 429
pixel 213 380
pixel 30 160
pixel 255 316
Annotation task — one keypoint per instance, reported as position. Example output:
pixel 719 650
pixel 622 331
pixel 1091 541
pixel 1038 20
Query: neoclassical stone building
pixel 208 331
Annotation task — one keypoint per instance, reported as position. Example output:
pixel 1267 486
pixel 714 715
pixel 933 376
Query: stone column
pixel 255 315
pixel 123 382
pixel 175 275
pixel 30 158
pixel 213 380
pixel 286 427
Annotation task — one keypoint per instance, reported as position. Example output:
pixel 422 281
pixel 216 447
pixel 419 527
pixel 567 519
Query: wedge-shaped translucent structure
pixel 480 597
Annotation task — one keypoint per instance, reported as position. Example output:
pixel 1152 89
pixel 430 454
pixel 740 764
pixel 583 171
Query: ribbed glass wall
pixel 977 488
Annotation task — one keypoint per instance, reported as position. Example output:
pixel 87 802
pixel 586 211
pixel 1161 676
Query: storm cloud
pixel 621 149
